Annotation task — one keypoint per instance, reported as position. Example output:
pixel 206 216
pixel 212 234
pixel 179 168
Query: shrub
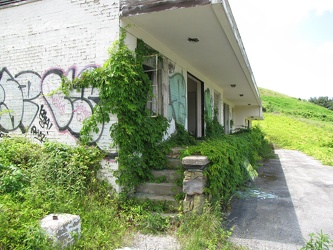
pixel 36 180
pixel 213 127
pixel 12 179
pixel 318 241
pixel 204 231
pixel 19 152
pixel 227 156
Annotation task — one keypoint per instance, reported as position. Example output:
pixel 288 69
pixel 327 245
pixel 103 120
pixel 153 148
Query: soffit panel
pixel 213 55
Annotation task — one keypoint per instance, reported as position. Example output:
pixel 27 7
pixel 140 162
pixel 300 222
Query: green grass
pixel 39 180
pixel 205 231
pixel 298 124
pixel 274 102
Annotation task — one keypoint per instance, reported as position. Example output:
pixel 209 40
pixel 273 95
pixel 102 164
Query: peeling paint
pixel 135 7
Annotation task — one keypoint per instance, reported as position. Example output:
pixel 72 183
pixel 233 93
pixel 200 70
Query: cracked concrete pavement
pixel 291 198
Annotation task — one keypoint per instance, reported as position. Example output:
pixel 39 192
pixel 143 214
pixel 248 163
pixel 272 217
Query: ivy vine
pixel 228 156
pixel 213 127
pixel 124 91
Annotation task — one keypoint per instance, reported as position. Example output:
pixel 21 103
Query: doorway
pixel 195 104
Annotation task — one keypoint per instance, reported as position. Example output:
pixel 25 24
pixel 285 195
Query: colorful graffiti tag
pixel 177 105
pixel 29 102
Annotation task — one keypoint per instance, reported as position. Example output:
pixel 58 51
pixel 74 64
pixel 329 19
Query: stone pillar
pixel 194 183
pixel 61 228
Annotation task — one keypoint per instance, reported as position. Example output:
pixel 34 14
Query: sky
pixel 289 44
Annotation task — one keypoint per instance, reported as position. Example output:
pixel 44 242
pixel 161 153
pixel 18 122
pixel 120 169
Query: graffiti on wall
pixel 177 91
pixel 44 124
pixel 29 103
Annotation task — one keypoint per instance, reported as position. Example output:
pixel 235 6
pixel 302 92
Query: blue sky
pixel 289 44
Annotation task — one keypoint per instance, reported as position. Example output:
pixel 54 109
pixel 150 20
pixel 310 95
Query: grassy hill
pixel 297 124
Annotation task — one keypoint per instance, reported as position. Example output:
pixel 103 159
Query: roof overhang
pixel 219 54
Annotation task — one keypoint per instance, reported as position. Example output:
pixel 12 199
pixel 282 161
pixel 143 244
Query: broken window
pixel 153 68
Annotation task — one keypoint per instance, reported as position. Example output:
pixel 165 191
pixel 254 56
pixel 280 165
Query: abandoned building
pixel 204 63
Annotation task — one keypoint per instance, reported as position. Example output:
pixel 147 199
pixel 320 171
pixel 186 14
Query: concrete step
pixel 165 191
pixel 170 200
pixel 174 163
pixel 175 152
pixel 162 189
pixel 170 175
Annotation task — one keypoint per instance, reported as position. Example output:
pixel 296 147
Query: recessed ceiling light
pixel 193 39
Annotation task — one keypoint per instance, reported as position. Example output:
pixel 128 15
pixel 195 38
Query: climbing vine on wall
pixel 213 128
pixel 124 91
pixel 228 156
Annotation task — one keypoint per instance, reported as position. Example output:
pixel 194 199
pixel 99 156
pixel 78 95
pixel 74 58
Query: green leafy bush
pixel 124 90
pixel 204 231
pixel 12 179
pixel 227 156
pixel 213 127
pixel 19 152
pixel 72 168
pixel 55 179
pixel 180 138
pixel 318 241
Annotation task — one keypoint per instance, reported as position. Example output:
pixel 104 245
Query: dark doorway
pixel 195 103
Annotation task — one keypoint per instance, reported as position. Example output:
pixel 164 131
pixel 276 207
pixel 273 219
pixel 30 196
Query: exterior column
pixel 194 183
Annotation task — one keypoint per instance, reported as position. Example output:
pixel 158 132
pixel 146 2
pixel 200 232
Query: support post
pixel 194 183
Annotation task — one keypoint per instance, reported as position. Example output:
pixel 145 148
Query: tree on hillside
pixel 323 101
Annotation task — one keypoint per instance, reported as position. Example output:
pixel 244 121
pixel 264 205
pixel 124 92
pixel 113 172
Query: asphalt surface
pixel 291 198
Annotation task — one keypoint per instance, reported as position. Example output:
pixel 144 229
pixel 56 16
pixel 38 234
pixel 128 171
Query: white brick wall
pixel 41 41
pixel 59 33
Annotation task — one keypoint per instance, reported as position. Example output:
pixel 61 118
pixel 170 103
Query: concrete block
pixel 188 203
pixel 61 228
pixel 195 162
pixel 159 188
pixel 198 203
pixel 170 175
pixel 194 203
pixel 194 183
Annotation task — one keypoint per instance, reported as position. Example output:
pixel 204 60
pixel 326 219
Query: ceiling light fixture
pixel 232 85
pixel 241 94
pixel 193 39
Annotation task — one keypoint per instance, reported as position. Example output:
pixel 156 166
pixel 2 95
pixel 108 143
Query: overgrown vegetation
pixel 124 91
pixel 36 180
pixel 318 241
pixel 300 125
pixel 205 231
pixel 228 155
pixel 277 103
pixel 213 129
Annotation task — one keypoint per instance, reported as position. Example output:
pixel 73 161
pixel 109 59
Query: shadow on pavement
pixel 265 211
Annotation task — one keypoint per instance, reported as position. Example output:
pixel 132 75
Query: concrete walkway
pixel 291 198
